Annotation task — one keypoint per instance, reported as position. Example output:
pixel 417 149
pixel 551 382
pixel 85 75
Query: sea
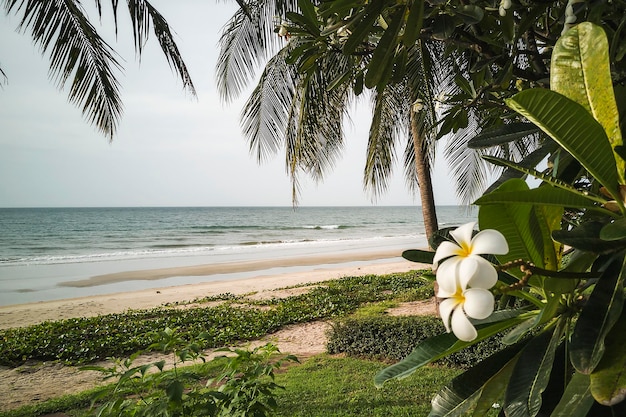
pixel 41 248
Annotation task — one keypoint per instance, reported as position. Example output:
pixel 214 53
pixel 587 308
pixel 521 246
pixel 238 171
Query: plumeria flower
pixel 476 303
pixel 463 266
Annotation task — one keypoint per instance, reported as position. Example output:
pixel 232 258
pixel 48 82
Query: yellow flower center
pixel 464 250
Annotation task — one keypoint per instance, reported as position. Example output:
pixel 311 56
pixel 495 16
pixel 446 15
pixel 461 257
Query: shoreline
pixel 20 315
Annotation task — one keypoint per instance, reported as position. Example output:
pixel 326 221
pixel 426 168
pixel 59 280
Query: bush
pixel 393 338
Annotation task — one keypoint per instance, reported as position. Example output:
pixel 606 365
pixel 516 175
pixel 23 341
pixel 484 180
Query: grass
pixel 321 386
pixel 329 386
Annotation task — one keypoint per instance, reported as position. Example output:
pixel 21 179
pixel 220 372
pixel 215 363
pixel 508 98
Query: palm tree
pixel 77 53
pixel 302 111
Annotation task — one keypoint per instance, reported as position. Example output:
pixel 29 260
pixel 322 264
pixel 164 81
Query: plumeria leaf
pixel 543 195
pixel 571 125
pixel 420 256
pixel 440 346
pixel 576 400
pixel 462 393
pixel 608 380
pixel 544 177
pixel 513 221
pixel 586 237
pixel 580 70
pixel 615 230
pixel 597 318
pixel 502 134
pixel 532 373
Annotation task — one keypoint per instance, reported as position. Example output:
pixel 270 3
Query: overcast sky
pixel 170 150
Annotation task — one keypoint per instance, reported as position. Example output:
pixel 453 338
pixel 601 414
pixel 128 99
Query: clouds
pixel 170 149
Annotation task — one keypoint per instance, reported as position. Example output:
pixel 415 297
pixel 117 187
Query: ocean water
pixel 42 247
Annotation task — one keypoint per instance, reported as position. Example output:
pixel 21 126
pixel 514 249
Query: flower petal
pixel 444 250
pixel 463 233
pixel 489 241
pixel 445 309
pixel 485 276
pixel 461 326
pixel 447 274
pixel 478 303
pixel 467 269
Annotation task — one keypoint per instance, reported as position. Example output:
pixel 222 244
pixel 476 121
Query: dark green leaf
pixel 413 23
pixel 175 391
pixel 608 380
pixel 576 400
pixel 471 14
pixel 462 392
pixel 362 27
pixel 550 196
pixel 614 231
pixel 443 27
pixel 420 256
pixel 382 60
pixel 586 237
pixel 597 318
pixel 532 373
pixel 502 134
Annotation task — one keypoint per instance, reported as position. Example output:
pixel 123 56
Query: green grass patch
pixel 326 386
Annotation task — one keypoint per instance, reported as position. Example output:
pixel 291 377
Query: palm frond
pixel 142 14
pixel 61 28
pixel 265 114
pixel 389 123
pixel 247 40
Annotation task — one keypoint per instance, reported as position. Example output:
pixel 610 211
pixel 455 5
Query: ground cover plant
pixel 81 340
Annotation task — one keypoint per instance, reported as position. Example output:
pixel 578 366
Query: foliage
pixel 393 338
pixel 79 54
pixel 81 340
pixel 321 386
pixel 568 239
pixel 245 388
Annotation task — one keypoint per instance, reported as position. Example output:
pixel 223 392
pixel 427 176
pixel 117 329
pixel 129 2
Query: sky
pixel 170 149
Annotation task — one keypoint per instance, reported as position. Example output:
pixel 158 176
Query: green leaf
pixel 420 256
pixel 440 346
pixel 502 134
pixel 413 24
pixel 576 400
pixel 586 237
pixel 460 395
pixel 572 127
pixel 608 380
pixel 361 27
pixel 175 391
pixel 471 14
pixel 580 70
pixel 615 230
pixel 532 373
pixel 546 195
pixel 382 59
pixel 597 318
pixel 504 210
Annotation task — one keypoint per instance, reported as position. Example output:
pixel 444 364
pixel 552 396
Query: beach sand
pixel 320 269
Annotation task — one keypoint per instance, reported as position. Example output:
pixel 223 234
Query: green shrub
pixel 393 338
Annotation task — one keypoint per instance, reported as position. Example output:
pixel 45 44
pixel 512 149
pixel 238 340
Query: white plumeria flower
pixel 476 303
pixel 463 264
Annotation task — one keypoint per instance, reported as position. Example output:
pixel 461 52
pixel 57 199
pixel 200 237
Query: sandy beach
pixel 318 269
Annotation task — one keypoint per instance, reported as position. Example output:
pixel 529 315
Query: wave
pixel 176 250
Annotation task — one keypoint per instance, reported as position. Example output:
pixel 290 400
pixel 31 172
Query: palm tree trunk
pixel 422 168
